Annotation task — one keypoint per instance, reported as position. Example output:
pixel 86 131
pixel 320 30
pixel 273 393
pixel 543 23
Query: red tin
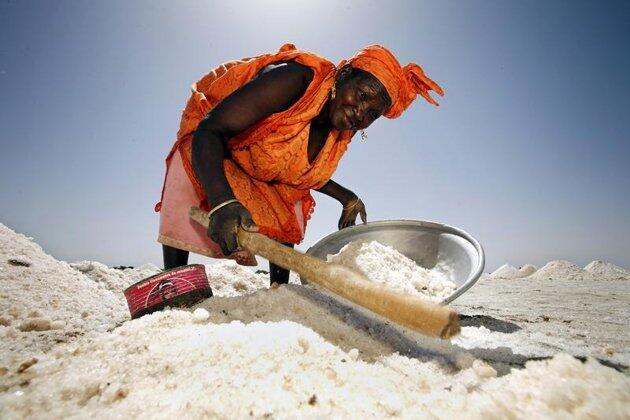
pixel 179 287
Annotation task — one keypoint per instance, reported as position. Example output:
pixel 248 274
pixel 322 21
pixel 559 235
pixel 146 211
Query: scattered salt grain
pixel 57 325
pixel 35 324
pixel 27 364
pixel 484 370
pixel 201 315
pixel 19 262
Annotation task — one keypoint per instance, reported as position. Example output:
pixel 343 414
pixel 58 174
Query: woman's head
pixel 377 65
pixel 360 98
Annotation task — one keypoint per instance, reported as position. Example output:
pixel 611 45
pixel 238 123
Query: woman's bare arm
pixel 352 205
pixel 336 191
pixel 271 92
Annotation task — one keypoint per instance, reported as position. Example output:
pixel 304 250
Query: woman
pixel 259 133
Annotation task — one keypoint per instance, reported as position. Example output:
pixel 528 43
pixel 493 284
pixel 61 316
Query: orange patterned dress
pixel 268 169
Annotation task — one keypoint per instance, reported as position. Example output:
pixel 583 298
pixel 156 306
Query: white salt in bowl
pixel 429 244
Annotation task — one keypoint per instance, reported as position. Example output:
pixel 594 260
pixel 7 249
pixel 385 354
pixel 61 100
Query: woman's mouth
pixel 349 121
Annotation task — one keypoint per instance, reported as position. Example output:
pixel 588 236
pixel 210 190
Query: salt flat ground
pixel 505 322
pixel 69 350
pixel 588 317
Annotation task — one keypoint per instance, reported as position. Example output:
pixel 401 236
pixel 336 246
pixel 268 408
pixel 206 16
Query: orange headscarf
pixel 402 83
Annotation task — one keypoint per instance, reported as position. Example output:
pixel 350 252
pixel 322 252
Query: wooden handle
pixel 410 311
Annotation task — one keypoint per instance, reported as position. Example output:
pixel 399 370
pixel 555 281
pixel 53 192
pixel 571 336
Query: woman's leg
pixel 174 257
pixel 278 274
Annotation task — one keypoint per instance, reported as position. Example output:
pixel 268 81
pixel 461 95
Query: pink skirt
pixel 177 230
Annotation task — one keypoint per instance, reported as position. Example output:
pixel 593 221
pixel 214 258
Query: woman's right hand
pixel 224 224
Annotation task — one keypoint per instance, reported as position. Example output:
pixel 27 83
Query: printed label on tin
pixel 166 286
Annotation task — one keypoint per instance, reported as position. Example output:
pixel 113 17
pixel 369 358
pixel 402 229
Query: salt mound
pixel 506 271
pixel 44 301
pixel 172 363
pixel 527 270
pixel 607 271
pixel 114 279
pixel 228 279
pixel 555 270
pixel 383 264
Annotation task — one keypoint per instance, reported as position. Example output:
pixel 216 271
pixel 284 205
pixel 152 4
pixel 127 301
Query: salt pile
pixel 506 271
pixel 228 279
pixel 607 271
pixel 527 270
pixel 383 264
pixel 560 270
pixel 114 279
pixel 44 301
pixel 555 270
pixel 178 363
pixel 173 364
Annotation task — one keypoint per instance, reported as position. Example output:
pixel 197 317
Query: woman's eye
pixel 362 95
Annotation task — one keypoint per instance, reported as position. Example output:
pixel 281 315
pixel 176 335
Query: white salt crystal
pixel 484 370
pixel 201 315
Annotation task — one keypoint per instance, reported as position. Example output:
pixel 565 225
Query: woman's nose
pixel 359 114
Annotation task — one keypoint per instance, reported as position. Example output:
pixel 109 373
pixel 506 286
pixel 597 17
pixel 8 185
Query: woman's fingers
pixel 248 224
pixel 231 241
pixel 224 248
pixel 363 214
pixel 353 218
pixel 349 216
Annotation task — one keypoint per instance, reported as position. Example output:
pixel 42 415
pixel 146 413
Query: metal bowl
pixel 427 243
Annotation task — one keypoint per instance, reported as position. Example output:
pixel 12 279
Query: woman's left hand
pixel 351 210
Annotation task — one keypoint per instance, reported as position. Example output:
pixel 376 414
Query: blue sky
pixel 529 150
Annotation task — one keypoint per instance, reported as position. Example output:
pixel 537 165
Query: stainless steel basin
pixel 427 243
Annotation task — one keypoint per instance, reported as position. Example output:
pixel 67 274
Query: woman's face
pixel 359 100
